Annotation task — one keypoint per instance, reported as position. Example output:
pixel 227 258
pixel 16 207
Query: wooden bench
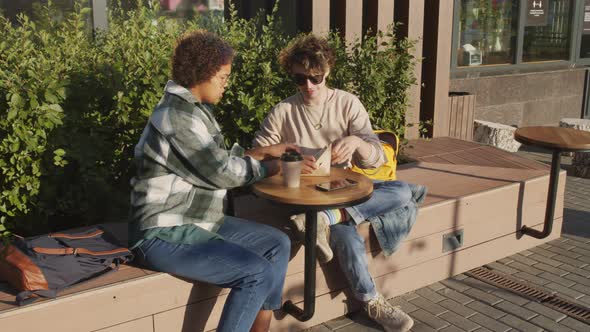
pixel 479 196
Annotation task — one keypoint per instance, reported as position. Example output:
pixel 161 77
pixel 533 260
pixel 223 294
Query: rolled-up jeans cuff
pixel 355 215
pixel 366 297
pixel 271 306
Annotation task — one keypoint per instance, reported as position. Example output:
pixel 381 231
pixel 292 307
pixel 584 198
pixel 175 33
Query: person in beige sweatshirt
pixel 318 116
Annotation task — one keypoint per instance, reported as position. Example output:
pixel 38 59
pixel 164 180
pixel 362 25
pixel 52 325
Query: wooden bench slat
pixel 514 158
pixel 453 158
pixel 418 149
pixel 477 159
pixel 499 160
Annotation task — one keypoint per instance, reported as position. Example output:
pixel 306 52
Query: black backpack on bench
pixel 41 266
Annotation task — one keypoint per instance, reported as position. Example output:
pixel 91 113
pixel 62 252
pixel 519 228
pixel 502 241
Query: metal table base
pixel 551 198
pixel 308 310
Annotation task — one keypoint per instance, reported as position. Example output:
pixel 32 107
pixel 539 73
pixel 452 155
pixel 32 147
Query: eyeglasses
pixel 223 79
pixel 301 79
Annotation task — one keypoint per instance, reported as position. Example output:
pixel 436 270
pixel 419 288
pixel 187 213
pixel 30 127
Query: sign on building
pixel 586 27
pixel 537 12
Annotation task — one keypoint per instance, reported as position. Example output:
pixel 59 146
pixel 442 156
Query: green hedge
pixel 73 105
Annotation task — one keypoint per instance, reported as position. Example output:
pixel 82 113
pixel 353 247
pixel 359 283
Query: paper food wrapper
pixel 323 157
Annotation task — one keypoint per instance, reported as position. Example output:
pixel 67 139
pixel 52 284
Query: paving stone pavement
pixel 463 303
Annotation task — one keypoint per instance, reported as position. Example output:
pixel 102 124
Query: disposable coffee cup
pixel 291 163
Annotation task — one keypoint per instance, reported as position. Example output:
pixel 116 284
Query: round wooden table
pixel 310 200
pixel 558 140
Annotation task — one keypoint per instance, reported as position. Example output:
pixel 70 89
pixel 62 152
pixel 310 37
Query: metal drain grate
pixel 571 309
pixel 533 293
pixel 509 283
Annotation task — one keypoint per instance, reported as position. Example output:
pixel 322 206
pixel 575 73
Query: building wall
pixel 526 99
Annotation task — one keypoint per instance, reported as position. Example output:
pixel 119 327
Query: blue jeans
pixel 349 246
pixel 251 260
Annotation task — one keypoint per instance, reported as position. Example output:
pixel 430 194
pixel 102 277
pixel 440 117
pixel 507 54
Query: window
pixel 585 43
pixel 189 7
pixel 547 30
pixel 496 35
pixel 175 8
pixel 487 32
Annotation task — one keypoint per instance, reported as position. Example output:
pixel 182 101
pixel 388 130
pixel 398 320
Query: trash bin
pixel 461 112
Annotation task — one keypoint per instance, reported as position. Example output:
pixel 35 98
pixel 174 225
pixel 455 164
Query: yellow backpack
pixel 385 172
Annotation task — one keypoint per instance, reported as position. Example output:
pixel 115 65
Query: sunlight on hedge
pixel 73 105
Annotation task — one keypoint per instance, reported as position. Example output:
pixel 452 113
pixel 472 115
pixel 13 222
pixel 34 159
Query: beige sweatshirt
pixel 291 121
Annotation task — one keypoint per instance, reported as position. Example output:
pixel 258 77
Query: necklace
pixel 319 125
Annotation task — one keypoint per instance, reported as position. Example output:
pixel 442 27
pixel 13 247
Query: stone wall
pixel 526 99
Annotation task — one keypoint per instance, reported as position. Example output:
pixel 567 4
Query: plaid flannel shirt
pixel 183 166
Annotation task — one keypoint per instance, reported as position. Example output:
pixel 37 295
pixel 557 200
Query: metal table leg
pixel 551 197
pixel 309 275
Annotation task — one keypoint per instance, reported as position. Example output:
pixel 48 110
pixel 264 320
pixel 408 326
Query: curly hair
pixel 312 52
pixel 198 56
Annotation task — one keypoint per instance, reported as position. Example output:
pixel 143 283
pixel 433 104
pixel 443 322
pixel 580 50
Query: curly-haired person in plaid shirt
pixel 183 172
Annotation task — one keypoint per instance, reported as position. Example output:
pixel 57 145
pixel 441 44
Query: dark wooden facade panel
pixel 378 15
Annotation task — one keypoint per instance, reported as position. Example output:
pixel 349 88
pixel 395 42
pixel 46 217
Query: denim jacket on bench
pixel 392 227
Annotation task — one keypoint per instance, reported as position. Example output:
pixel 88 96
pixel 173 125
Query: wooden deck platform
pixel 486 193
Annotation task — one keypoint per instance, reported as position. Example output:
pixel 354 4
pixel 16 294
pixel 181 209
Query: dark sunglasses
pixel 301 79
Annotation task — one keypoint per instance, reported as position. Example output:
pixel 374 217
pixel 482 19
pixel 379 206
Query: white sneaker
pixel 324 252
pixel 392 318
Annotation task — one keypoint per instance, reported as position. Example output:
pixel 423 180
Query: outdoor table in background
pixel 310 200
pixel 557 140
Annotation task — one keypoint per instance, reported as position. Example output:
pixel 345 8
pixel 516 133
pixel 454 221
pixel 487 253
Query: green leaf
pixel 62 93
pixel 50 97
pixel 55 107
pixel 15 99
pixel 33 102
pixel 14 146
pixel 11 114
pixel 59 152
